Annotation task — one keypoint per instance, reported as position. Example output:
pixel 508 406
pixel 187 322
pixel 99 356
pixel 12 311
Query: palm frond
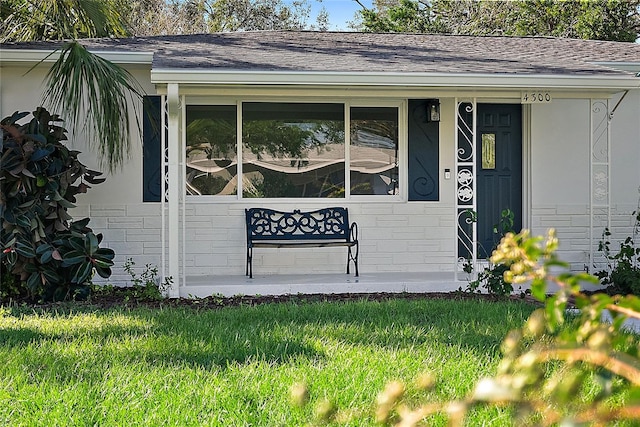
pixel 94 95
pixel 25 20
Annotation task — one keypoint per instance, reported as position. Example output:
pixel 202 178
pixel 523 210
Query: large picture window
pixel 212 162
pixel 291 150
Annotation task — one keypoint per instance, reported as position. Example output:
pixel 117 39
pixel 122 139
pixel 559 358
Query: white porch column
pixel 173 189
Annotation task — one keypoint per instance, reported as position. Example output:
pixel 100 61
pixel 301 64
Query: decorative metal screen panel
pixel 600 204
pixel 165 149
pixel 164 179
pixel 465 184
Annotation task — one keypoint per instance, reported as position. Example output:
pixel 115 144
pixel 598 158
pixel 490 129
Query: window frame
pixel 399 104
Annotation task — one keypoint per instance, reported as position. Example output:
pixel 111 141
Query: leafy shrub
pixel 147 285
pixel 48 254
pixel 144 287
pixel 623 270
pixel 491 278
pixel 555 370
pixel 9 287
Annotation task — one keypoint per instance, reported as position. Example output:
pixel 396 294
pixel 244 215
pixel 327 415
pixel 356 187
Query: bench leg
pixel 355 262
pixel 351 256
pixel 249 269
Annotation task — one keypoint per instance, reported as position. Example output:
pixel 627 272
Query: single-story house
pixel 426 139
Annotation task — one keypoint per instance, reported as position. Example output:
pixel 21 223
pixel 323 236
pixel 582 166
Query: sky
pixel 340 12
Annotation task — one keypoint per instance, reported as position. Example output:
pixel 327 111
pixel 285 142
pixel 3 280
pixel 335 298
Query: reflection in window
pixel 293 150
pixel 374 150
pixel 212 162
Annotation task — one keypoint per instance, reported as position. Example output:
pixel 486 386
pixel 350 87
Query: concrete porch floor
pixel 203 286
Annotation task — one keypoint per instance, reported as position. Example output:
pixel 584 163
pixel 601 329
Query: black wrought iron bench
pixel 328 227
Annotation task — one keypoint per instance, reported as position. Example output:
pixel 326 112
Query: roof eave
pixel 617 81
pixel 30 56
pixel 458 80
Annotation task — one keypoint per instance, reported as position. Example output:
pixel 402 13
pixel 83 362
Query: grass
pixel 235 366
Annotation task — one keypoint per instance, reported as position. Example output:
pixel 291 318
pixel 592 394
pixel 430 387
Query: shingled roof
pixel 371 52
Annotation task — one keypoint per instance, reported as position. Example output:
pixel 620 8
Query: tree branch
pixel 598 358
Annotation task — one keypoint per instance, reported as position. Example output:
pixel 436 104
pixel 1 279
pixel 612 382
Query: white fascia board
pixel 41 55
pixel 511 81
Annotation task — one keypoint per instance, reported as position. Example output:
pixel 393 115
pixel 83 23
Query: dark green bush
pixel 48 255
pixel 622 274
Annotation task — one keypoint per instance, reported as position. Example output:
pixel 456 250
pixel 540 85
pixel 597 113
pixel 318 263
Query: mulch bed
pixel 120 298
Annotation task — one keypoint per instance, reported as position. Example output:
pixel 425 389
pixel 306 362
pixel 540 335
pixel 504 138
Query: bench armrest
pixel 353 232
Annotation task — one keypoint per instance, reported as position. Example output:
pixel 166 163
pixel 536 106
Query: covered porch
pixel 556 144
pixel 449 226
pixel 281 284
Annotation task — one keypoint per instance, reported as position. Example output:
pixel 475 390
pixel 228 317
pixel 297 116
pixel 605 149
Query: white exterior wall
pixel 625 166
pixel 131 228
pixel 394 235
pixel 560 155
pixel 398 236
pixel 560 150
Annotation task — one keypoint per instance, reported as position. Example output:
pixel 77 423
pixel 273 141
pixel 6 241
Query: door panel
pixel 499 170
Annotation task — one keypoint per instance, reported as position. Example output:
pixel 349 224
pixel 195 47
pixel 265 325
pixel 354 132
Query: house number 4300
pixel 535 97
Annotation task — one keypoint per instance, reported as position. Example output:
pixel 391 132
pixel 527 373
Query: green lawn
pixel 235 366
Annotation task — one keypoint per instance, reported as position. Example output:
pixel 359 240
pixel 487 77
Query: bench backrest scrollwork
pixel 323 224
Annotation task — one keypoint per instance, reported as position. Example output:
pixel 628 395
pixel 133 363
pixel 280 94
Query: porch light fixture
pixel 433 110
